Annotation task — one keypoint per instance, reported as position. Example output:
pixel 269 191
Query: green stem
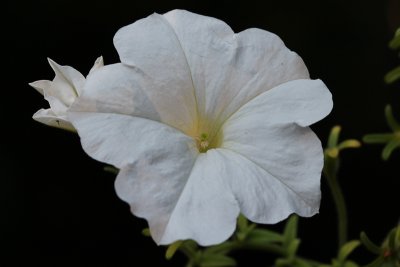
pixel 340 206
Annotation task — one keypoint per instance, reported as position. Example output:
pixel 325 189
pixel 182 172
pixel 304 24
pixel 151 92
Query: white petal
pixel 46 116
pixel 303 102
pixel 206 210
pixel 126 90
pixel 230 69
pixel 97 64
pixel 268 132
pixel 262 197
pixel 224 69
pixel 178 206
pixel 151 46
pixel 122 139
pixel 57 106
pixel 41 86
pixel 156 176
pixel 67 84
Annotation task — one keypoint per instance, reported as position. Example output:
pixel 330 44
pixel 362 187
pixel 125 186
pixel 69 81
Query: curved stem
pixel 340 207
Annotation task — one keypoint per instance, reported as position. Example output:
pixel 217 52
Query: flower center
pixel 207 134
pixel 202 142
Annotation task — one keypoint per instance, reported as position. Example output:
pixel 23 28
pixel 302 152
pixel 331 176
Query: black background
pixel 58 207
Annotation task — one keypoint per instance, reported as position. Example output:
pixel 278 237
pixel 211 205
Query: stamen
pixel 202 142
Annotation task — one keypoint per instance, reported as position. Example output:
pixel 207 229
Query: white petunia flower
pixel 61 93
pixel 204 124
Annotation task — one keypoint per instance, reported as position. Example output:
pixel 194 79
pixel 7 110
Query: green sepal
pixel 242 222
pixel 111 169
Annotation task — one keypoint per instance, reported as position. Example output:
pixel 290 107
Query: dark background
pixel 59 208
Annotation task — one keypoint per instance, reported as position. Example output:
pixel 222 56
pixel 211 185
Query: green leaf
pixel 265 236
pixel 336 263
pixel 172 249
pixel 388 149
pixel 378 138
pixel 222 248
pixel 332 152
pixel 146 232
pixel 292 249
pixel 302 263
pixel 347 248
pixel 392 239
pixel 369 244
pixel 290 232
pixel 392 75
pixel 350 143
pixel 397 239
pixel 350 264
pixel 392 122
pixel 395 42
pixel 334 136
pixel 282 263
pixel 216 260
pixel 244 228
pixel 376 263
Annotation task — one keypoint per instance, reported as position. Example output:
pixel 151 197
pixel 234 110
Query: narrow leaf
pixel 376 263
pixel 392 75
pixel 332 152
pixel 222 248
pixel 146 232
pixel 334 136
pixel 388 149
pixel 347 249
pixel 172 249
pixel 378 138
pixel 350 143
pixel 265 235
pixel 217 260
pixel 395 42
pixel 292 249
pixel 350 264
pixel 392 239
pixel 369 244
pixel 290 232
pixel 393 124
